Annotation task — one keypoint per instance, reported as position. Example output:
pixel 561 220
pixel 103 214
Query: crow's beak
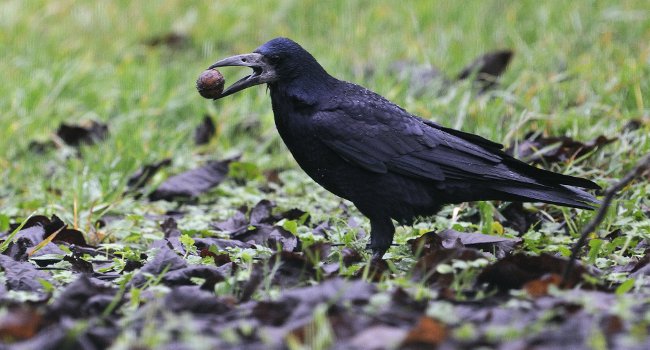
pixel 262 71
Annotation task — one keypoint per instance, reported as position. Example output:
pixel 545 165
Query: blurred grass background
pixel 581 68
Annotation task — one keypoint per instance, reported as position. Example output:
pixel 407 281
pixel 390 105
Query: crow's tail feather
pixel 560 195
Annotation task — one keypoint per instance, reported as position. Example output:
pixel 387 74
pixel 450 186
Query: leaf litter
pixel 464 289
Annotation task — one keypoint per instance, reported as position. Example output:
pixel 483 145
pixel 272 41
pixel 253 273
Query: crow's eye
pixel 274 58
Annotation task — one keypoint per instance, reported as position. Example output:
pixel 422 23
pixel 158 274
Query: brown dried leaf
pixel 428 333
pixel 20 323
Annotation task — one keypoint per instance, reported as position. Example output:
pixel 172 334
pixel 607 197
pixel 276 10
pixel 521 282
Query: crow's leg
pixel 382 231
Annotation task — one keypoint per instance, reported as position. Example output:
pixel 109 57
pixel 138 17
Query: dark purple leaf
pixel 267 235
pixel 233 223
pixel 85 133
pixel 183 276
pixel 204 131
pixel 144 174
pixel 195 300
pixel 22 275
pixel 261 212
pixel 166 260
pixel 192 183
pixel 83 298
pixel 487 67
pixel 518 218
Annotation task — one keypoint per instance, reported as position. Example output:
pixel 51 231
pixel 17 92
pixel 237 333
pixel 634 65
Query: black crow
pixel 391 164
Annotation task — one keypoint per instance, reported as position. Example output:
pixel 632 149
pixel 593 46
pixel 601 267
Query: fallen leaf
pixel 262 213
pixel 289 269
pixel 145 173
pixel 428 333
pixel 195 300
pixel 518 218
pixel 172 40
pixel 184 275
pixel 166 260
pixel 83 298
pixel 487 68
pixel 22 275
pixel 19 323
pixel 88 133
pixel 192 183
pixel 539 287
pixel 513 272
pixel 204 131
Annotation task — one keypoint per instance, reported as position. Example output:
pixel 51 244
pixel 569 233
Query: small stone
pixel 210 83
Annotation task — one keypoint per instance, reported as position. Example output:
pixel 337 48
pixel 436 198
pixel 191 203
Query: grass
pixel 581 69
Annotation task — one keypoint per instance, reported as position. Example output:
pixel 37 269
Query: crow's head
pixel 278 60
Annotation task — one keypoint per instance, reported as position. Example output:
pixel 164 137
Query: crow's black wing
pixel 381 137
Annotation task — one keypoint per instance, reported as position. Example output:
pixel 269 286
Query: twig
pixel 642 166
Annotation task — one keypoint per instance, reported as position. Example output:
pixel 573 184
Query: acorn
pixel 210 83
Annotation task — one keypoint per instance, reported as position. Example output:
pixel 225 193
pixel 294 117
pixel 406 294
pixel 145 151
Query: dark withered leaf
pixel 249 287
pixel 273 176
pixel 429 242
pixel 195 300
pixel 267 235
pixel 536 148
pixel 192 183
pixel 262 212
pixel 350 256
pixel 183 276
pixel 318 251
pixel 36 220
pixel 295 307
pixel 165 260
pixel 172 40
pixel 34 232
pixel 321 229
pixel 425 268
pixel 144 174
pixel 88 133
pixel 71 236
pixel 83 298
pixel 513 271
pixel 79 265
pixel 487 67
pixel 219 259
pixel 518 218
pixel 170 228
pixel 22 275
pixel 291 269
pixel 375 270
pixel 233 223
pixel 295 214
pixel 204 132
pixel 274 313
